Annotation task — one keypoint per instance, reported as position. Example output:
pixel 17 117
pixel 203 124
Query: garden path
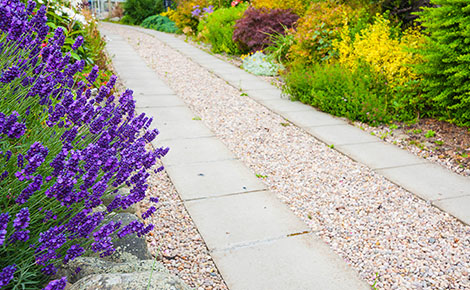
pixel 256 242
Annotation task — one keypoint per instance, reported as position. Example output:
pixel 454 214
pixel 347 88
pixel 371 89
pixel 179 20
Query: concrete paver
pixel 155 101
pixel 179 129
pixel 243 219
pixel 287 263
pixel 457 206
pixel 188 151
pixel 341 135
pixel 209 179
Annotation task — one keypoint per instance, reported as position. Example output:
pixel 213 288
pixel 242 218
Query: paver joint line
pixel 221 196
pixel 262 242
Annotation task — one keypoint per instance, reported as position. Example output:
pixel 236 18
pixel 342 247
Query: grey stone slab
pixel 379 155
pixel 181 129
pixel 458 207
pixel 341 135
pixel 188 151
pixel 429 181
pixel 243 218
pixel 269 94
pixel 251 84
pixel 213 179
pixel 168 113
pixel 235 75
pixel 149 101
pixel 296 263
pixel 149 88
pixel 311 118
pixel 282 106
pixel 146 81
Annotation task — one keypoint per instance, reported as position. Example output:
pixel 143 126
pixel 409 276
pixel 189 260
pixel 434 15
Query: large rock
pixel 91 266
pixel 131 281
pixel 131 248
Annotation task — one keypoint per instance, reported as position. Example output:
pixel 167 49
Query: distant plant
pixel 446 69
pixel 260 64
pixel 280 45
pixel 297 6
pixel 186 15
pixel 253 29
pixel 135 11
pixel 160 23
pixel 430 134
pixel 217 29
pixel 357 95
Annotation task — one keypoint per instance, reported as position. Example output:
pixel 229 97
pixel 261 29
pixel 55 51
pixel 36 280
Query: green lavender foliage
pixel 446 69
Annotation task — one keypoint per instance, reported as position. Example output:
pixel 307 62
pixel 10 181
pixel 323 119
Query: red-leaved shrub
pixel 253 29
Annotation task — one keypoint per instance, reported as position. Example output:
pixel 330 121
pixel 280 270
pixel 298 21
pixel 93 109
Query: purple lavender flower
pixel 93 74
pixel 7 275
pixel 208 10
pixel 196 11
pixel 78 42
pixel 73 252
pixel 149 212
pixel 22 219
pixel 56 284
pixel 12 73
pixel 154 199
pixel 4 217
pixel 20 236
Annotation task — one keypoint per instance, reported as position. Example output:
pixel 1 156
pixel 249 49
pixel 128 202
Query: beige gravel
pixel 384 232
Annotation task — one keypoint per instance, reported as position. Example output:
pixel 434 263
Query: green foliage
pixel 281 44
pixel 446 70
pixel 137 10
pixel 357 95
pixel 261 65
pixel 217 29
pixel 160 23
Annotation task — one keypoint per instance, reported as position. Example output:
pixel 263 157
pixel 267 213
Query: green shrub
pixel 160 23
pixel 137 10
pixel 357 95
pixel 217 29
pixel 446 70
pixel 261 65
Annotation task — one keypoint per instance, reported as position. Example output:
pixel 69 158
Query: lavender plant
pixel 61 151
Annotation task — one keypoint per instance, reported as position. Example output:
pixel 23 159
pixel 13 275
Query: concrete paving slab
pixel 341 135
pixel 379 155
pixel 429 181
pixel 269 94
pixel 311 118
pixel 188 151
pixel 311 265
pixel 283 106
pixel 251 85
pixel 244 218
pixel 168 113
pixel 459 207
pixel 182 129
pixel 149 101
pixel 211 179
pixel 149 88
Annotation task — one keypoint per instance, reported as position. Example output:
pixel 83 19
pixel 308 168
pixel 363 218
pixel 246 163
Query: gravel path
pixel 380 229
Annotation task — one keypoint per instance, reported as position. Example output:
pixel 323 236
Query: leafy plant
pixel 261 65
pixel 160 23
pixel 446 69
pixel 297 6
pixel 317 30
pixel 135 11
pixel 184 16
pixel 217 29
pixel 280 45
pixel 358 95
pixel 430 134
pixel 253 29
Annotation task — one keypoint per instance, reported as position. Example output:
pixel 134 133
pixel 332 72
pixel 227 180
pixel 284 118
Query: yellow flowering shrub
pixel 298 6
pixel 183 17
pixel 385 53
pixel 317 30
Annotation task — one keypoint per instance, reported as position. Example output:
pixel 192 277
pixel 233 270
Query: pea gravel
pixel 390 237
